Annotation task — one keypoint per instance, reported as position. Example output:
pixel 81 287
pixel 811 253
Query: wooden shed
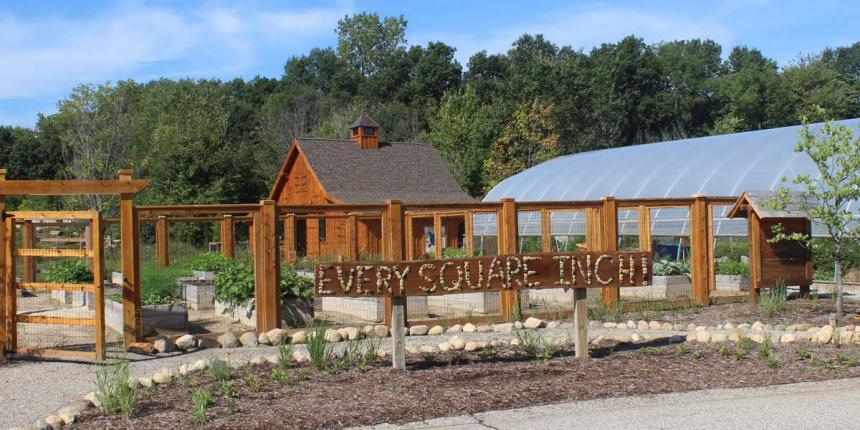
pixel 360 170
pixel 772 262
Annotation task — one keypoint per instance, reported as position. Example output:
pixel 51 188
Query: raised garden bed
pixel 662 287
pixel 199 295
pixel 732 283
pixel 173 316
pixel 294 312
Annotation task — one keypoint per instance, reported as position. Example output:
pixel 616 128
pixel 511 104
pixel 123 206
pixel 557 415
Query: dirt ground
pixel 451 384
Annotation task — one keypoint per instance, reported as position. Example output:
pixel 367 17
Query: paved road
pixel 808 405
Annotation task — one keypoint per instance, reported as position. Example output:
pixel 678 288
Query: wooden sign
pixel 484 274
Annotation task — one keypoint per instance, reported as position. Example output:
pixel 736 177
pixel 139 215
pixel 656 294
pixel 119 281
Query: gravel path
pixel 806 405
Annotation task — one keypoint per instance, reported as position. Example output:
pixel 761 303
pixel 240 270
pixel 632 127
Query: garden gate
pixel 51 319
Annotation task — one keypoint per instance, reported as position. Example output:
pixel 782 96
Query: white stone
pixel 184 369
pixel 505 328
pixel 691 337
pixel 380 330
pixel 367 330
pixel 299 337
pixel 457 343
pixel 518 325
pixel 427 349
pixel 228 340
pixel 469 328
pixel 787 338
pixel 93 399
pixel 642 325
pixel 263 339
pixel 200 365
pixel 331 335
pixel 456 328
pixel 445 346
pixel 824 335
pixel 719 337
pixel 185 342
pixel 163 344
pixel 553 324
pixel 533 322
pixel 803 327
pixel 258 359
pixel 471 346
pixel 276 336
pixel 515 342
pixel 54 421
pixel 701 328
pixel 611 324
pixel 249 338
pixel 436 330
pixel 301 356
pixel 411 349
pixel 703 336
pixel 728 326
pixel 483 328
pixel 666 326
pixel 757 337
pixel 655 325
pixel 352 333
pixel 757 326
pixel 631 324
pixel 418 330
pixel 635 337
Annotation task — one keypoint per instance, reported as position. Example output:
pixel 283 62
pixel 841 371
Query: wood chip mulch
pixel 451 384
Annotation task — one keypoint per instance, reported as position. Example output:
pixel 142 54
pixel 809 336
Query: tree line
pixel 212 141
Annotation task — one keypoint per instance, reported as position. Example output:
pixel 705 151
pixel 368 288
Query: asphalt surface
pixel 807 405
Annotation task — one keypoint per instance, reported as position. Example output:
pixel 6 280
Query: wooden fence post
pixel 352 237
pixel 2 274
pixel 699 264
pixel 545 230
pixel 393 236
pixel 609 242
pixel 267 267
pixel 10 287
pixel 130 249
pixel 644 228
pixel 98 284
pixel 289 246
pixel 507 231
pixel 28 240
pixel 228 244
pixel 437 233
pixel 162 241
pixel 252 232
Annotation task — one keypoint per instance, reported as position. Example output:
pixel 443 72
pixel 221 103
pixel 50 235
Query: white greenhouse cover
pixel 725 165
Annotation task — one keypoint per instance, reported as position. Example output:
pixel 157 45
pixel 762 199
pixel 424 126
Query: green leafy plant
pixel 201 399
pixel 733 267
pixel 219 370
pixel 285 355
pixel 113 391
pixel 158 284
pixel 226 389
pixel 681 350
pixel 664 267
pixel 207 262
pixel 282 376
pixel 453 253
pixel 294 285
pixel 69 272
pixel 252 382
pixel 234 283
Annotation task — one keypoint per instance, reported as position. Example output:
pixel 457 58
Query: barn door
pixel 48 319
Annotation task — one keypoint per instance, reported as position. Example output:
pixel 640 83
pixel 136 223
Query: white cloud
pixel 46 56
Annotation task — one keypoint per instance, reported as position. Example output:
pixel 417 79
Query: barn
pixel 362 170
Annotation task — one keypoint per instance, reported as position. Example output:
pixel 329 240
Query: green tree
pixel 463 131
pixel 528 139
pixel 825 198
pixel 366 43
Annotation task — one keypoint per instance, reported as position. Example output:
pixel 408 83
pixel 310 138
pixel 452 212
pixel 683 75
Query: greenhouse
pixel 725 165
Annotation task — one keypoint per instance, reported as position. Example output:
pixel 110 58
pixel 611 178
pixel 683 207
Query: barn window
pixel 322 229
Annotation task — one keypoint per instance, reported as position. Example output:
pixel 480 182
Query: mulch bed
pixel 815 312
pixel 453 384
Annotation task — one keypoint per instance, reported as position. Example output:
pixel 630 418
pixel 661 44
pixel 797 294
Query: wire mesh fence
pixel 730 253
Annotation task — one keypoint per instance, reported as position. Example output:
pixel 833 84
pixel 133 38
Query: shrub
pixel 207 262
pixel 733 267
pixel 294 285
pixel 234 283
pixel 453 253
pixel 664 267
pixel 113 390
pixel 69 272
pixel 158 284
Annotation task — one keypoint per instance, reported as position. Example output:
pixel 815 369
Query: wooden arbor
pixel 126 187
pixel 783 261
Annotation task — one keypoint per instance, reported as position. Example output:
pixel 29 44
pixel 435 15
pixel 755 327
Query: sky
pixel 49 46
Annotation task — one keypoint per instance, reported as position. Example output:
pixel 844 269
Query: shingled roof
pixel 410 172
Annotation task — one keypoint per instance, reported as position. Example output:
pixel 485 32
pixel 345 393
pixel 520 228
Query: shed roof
pixel 410 172
pixel 757 201
pixel 364 121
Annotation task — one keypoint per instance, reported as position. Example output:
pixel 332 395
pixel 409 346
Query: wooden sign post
pixel 396 280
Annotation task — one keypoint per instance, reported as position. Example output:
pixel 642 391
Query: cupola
pixel 365 132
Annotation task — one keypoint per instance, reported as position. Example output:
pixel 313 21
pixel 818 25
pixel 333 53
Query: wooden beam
pixel 289 246
pixel 644 228
pixel 72 187
pixel 227 236
pixel 2 275
pixel 468 231
pixel 609 242
pixel 44 319
pixel 28 240
pixel 224 209
pixel 440 238
pixel 98 268
pixel 267 268
pixel 130 263
pixel 393 237
pixel 54 286
pixel 48 252
pixel 754 225
pixel 9 304
pixel 699 264
pixel 162 242
pixel 351 237
pixel 507 239
pixel 545 230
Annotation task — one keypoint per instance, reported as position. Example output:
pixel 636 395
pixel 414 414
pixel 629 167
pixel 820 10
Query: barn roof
pixel 410 172
pixel 364 121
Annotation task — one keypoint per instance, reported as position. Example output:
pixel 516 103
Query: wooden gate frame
pixel 126 188
pixel 96 254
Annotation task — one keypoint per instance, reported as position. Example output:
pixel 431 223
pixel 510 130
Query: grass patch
pixel 113 391
pixel 201 399
pixel 773 303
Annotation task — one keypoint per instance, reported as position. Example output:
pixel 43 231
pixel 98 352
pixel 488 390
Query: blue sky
pixel 48 46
